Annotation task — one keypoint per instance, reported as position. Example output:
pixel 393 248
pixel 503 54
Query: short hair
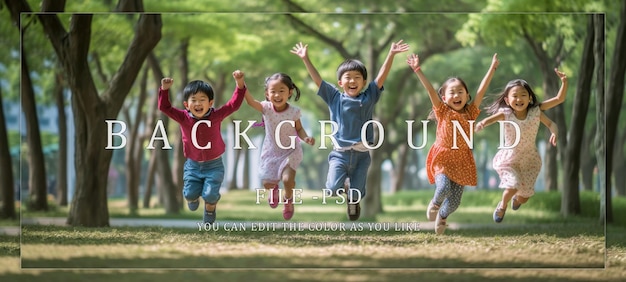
pixel 351 65
pixel 196 86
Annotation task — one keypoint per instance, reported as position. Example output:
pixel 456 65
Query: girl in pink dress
pixel 450 162
pixel 518 164
pixel 281 153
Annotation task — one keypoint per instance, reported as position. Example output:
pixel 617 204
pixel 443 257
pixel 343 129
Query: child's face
pixel 352 83
pixel 455 96
pixel 278 93
pixel 198 104
pixel 518 98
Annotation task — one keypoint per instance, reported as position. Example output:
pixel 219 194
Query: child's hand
pixel 166 83
pixel 479 126
pixel 494 61
pixel 553 139
pixel 398 47
pixel 238 75
pixel 300 50
pixel 561 75
pixel 309 140
pixel 414 62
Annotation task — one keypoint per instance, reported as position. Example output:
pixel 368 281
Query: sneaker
pixel 354 211
pixel 193 205
pixel 274 199
pixel 288 209
pixel 515 204
pixel 432 211
pixel 440 225
pixel 209 216
pixel 498 214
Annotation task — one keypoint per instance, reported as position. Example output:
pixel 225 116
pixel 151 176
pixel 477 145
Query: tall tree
pixel 570 202
pixel 61 179
pixel 6 171
pixel 92 159
pixel 37 186
pixel 613 102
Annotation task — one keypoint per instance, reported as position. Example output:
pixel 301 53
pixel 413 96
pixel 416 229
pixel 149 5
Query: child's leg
pixel 289 181
pixel 192 184
pixel 337 172
pixel 507 194
pixel 453 201
pixel 214 176
pixel 442 189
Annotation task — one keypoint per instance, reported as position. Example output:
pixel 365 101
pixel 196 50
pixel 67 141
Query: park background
pixel 72 72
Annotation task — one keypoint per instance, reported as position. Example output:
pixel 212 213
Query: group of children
pixel 450 163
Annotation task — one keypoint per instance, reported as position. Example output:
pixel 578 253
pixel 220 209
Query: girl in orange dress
pixel 450 162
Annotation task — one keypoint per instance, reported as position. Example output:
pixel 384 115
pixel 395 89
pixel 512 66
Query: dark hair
pixel 500 103
pixel 442 91
pixel 351 65
pixel 286 79
pixel 196 86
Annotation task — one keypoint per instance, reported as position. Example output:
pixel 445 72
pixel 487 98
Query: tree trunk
pixel 178 163
pixel 233 174
pixel 6 170
pixel 398 171
pixel 92 159
pixel 588 160
pixel 570 200
pixel 61 182
pixel 170 191
pixel 619 166
pixel 601 142
pixel 372 203
pixel 615 94
pixel 37 186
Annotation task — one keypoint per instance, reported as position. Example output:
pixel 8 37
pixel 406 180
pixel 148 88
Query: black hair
pixel 442 91
pixel 196 86
pixel 286 79
pixel 351 65
pixel 500 103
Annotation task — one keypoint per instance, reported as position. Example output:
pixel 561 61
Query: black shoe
pixel 354 211
pixel 209 216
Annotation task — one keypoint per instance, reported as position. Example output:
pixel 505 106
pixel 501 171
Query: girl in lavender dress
pixel 281 153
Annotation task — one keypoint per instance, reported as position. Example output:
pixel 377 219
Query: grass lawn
pixel 532 244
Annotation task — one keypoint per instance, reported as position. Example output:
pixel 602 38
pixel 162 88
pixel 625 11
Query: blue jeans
pixel 447 195
pixel 203 179
pixel 352 164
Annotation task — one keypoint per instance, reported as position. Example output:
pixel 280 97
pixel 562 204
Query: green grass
pixel 534 243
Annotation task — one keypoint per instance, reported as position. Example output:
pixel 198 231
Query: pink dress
pixel 273 158
pixel 519 166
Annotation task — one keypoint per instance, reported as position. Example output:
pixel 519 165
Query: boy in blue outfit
pixel 350 108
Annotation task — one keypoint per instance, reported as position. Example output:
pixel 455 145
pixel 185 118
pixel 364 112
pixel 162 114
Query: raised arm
pixel 560 97
pixel 484 84
pixel 554 129
pixel 488 121
pixel 302 51
pixel 396 48
pixel 414 62
pixel 253 102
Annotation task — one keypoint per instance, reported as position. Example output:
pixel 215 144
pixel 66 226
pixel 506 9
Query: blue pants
pixel 203 179
pixel 447 195
pixel 352 164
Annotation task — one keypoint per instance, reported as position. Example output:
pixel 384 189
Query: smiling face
pixel 278 93
pixel 352 82
pixel 198 104
pixel 518 99
pixel 455 95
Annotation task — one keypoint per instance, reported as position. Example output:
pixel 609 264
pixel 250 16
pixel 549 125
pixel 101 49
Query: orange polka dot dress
pixel 456 163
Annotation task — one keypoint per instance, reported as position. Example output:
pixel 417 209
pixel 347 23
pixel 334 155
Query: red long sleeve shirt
pixel 204 133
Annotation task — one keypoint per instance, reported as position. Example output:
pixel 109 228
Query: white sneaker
pixel 440 225
pixel 432 211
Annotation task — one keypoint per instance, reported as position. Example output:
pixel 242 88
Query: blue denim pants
pixel 352 164
pixel 203 179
